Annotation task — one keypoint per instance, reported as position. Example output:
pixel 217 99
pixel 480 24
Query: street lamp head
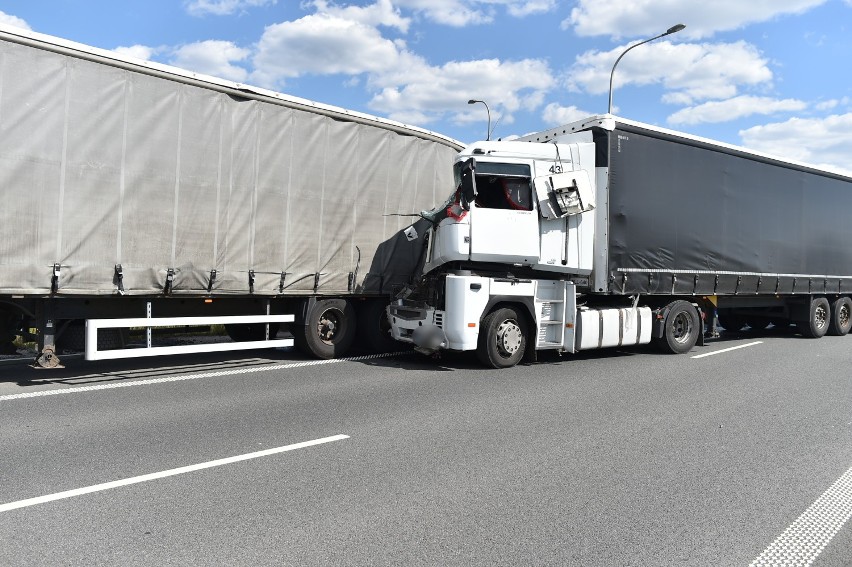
pixel 488 110
pixel 671 30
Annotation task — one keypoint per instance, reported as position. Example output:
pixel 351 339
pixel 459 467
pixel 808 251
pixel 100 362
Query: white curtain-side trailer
pixel 133 191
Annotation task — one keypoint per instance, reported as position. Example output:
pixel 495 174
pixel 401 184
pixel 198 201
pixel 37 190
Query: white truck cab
pixel 504 255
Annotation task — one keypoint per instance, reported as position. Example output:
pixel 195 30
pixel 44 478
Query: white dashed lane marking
pixel 706 354
pixel 804 540
pixel 163 474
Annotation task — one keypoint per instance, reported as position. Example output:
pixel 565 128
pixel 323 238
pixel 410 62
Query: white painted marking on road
pixel 180 378
pixel 164 474
pixel 727 349
pixel 804 540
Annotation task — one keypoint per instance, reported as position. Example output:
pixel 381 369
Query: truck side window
pixel 503 186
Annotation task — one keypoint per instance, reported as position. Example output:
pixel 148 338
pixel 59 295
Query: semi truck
pixel 608 232
pixel 138 195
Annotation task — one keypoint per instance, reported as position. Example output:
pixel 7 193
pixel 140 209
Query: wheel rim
pixel 682 327
pixel 329 325
pixel 820 316
pixel 843 316
pixel 509 338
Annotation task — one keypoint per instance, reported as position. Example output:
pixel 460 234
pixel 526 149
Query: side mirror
pixel 468 183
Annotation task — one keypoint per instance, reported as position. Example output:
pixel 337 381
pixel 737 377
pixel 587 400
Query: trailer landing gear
pixel 47 359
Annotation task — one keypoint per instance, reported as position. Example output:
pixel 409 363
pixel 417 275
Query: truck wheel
pixel 329 329
pixel 818 321
pixel 731 322
pixel 502 338
pixel 841 317
pixel 374 326
pixel 681 329
pixel 251 331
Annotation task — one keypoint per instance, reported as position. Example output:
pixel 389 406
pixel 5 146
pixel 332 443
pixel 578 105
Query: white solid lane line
pixel 727 349
pixel 214 374
pixel 164 474
pixel 804 540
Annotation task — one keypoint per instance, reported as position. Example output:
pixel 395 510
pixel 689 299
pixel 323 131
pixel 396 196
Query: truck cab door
pixel 503 219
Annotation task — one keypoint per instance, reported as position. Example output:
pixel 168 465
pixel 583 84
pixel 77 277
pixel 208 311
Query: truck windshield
pixel 503 186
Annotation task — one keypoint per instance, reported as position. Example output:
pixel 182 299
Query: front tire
pixel 502 338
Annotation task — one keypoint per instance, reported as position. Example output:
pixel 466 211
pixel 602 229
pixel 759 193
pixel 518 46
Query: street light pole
pixel 488 133
pixel 671 30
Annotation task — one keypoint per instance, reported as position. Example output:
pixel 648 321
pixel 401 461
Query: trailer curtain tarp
pixel 102 166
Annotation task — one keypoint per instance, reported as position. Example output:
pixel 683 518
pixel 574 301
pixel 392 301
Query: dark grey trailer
pixel 130 187
pixel 691 217
pixel 756 238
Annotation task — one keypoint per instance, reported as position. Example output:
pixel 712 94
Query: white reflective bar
pixel 92 326
pixel 186 321
pixel 183 349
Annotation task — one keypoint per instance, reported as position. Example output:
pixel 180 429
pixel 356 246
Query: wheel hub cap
pixel 509 337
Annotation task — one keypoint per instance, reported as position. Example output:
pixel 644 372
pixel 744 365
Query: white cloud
pixel 143 52
pixel 507 86
pixel 645 18
pixel 689 72
pixel 323 45
pixel 556 115
pixel 469 12
pixel 733 109
pixel 212 57
pixel 821 141
pixel 11 20
pixel 835 102
pixel 347 41
pixel 222 7
pixel 381 13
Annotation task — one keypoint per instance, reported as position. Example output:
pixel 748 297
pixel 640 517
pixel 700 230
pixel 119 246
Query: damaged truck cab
pixel 508 254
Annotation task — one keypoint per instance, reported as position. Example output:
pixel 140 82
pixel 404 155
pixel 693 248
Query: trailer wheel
pixel 819 318
pixel 329 329
pixel 502 338
pixel 374 326
pixel 681 329
pixel 841 317
pixel 251 331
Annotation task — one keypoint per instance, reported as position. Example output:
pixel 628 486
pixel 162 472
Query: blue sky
pixel 772 75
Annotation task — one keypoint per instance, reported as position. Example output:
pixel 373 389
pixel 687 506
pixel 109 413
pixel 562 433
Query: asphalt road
pixel 621 457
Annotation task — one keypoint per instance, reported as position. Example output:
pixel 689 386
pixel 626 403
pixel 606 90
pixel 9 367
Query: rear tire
pixel 841 317
pixel 329 329
pixel 502 338
pixel 819 318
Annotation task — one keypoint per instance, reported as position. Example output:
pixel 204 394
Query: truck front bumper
pixel 420 326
